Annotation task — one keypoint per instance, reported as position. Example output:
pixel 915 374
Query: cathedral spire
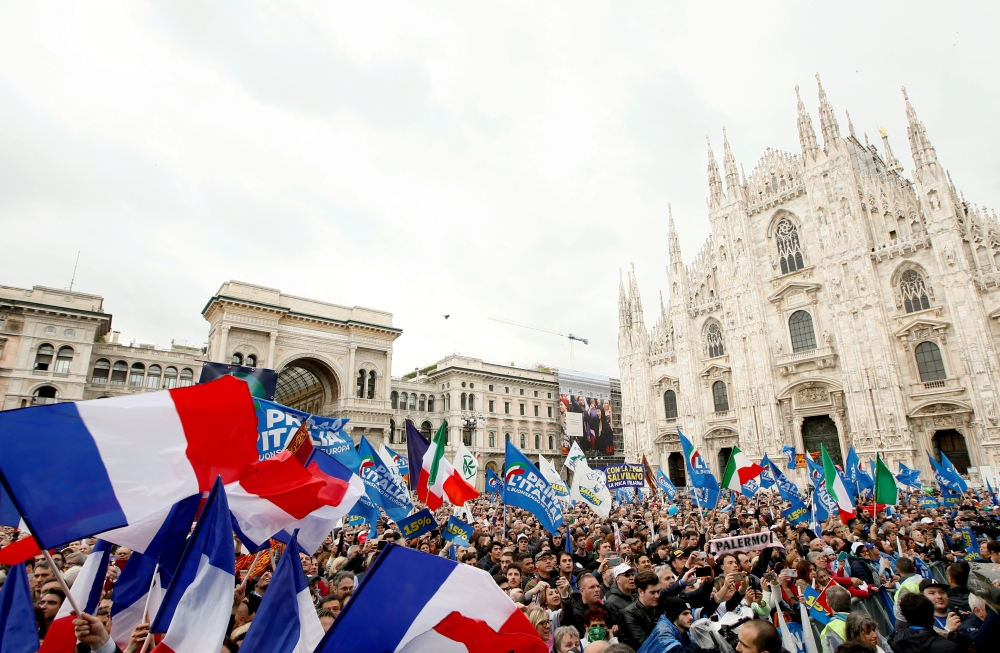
pixel 673 242
pixel 807 137
pixel 729 165
pixel 635 302
pixel 827 119
pixel 850 125
pixel 891 161
pixel 714 181
pixel 924 154
pixel 622 302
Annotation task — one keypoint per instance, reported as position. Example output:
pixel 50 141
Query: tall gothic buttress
pixel 924 155
pixel 827 119
pixel 714 181
pixel 807 137
pixel 729 165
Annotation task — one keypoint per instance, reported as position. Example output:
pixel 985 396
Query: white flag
pixel 466 464
pixel 575 456
pixel 590 487
pixel 550 474
pixel 386 457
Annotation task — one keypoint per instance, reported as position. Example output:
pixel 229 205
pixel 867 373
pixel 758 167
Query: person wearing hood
pixel 671 634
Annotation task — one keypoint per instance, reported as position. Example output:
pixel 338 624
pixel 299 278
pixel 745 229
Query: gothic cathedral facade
pixel 836 302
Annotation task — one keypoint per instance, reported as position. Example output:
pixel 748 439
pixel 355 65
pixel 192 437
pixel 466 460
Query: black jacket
pixel 636 623
pixel 617 601
pixel 572 614
pixel 911 640
pixel 958 599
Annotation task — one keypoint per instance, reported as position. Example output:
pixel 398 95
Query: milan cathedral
pixel 836 301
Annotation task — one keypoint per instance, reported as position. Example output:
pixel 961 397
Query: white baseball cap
pixel 621 569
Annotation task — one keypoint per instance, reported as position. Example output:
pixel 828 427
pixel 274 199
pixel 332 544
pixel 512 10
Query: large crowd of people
pixel 645 579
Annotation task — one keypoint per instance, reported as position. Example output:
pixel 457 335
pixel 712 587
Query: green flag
pixel 885 484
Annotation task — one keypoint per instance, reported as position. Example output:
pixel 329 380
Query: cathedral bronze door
pixel 724 455
pixel 951 443
pixel 822 430
pixel 675 469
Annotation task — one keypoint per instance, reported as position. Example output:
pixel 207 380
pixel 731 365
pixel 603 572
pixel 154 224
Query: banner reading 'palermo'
pixel 624 475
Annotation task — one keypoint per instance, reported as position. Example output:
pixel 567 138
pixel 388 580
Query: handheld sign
pixel 457 531
pixel 752 542
pixel 417 524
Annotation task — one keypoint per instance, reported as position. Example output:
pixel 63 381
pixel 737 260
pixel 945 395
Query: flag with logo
pixel 789 491
pixel 494 484
pixel 766 477
pixel 947 479
pixel 548 470
pixel 704 486
pixel 908 477
pixel 664 483
pixel 590 488
pixel 467 464
pixel 382 485
pixel 575 455
pixel 439 480
pixel 526 487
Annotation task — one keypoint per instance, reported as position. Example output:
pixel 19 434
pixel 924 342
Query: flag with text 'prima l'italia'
pixel 525 487
pixel 836 487
pixel 704 487
pixel 414 602
pixel 739 471
pixel 382 486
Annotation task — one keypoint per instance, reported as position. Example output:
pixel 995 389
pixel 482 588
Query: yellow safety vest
pixel 838 625
pixel 912 585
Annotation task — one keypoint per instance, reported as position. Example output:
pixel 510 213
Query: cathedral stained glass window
pixel 914 291
pixel 713 337
pixel 789 249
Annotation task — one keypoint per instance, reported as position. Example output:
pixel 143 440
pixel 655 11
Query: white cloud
pixel 434 158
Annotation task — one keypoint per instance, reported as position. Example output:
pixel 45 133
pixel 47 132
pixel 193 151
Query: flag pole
pixel 145 608
pixel 62 582
pixel 253 564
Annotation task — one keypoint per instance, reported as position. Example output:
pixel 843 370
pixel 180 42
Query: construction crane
pixel 572 357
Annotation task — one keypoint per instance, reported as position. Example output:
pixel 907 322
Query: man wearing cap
pixel 671 633
pixel 944 621
pixel 622 590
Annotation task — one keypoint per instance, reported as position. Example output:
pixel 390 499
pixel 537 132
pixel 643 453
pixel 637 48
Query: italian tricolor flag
pixel 837 489
pixel 739 471
pixel 439 480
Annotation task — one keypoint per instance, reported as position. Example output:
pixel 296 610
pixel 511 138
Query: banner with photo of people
pixel 585 413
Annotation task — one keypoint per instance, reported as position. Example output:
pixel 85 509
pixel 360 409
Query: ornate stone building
pixel 330 359
pixel 836 301
pixel 485 404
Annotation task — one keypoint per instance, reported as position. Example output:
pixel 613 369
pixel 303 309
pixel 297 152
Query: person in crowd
pixel 639 618
pixel 326 618
pixel 918 635
pixel 937 593
pixel 758 636
pixel 860 627
pixel 565 639
pixel 958 592
pixel 622 590
pixel 540 620
pixel 588 598
pixel 835 632
pixel 671 634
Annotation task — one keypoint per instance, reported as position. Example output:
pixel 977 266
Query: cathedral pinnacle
pixel 890 159
pixel 850 125
pixel 924 154
pixel 807 137
pixel 714 181
pixel 674 244
pixel 827 119
pixel 729 165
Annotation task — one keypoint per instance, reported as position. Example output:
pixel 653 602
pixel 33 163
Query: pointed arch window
pixel 713 340
pixel 800 327
pixel 789 249
pixel 720 396
pixel 670 404
pixel 914 291
pixel 929 362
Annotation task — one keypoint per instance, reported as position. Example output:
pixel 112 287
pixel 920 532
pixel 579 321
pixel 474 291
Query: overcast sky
pixel 469 159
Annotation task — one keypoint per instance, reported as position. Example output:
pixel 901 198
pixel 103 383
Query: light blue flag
pixel 908 477
pixel 946 479
pixel 954 472
pixel 666 485
pixel 789 491
pixel 381 485
pixel 525 487
pixel 766 478
pixel 704 486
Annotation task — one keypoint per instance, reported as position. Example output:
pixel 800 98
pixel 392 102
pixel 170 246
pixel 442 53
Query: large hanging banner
pixel 624 475
pixel 585 413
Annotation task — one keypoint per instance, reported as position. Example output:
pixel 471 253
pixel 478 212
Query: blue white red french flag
pixel 195 610
pixel 286 620
pixel 18 630
pixel 108 463
pixel 86 591
pixel 414 602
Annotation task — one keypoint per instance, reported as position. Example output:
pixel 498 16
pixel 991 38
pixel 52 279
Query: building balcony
pixel 722 416
pixel 810 359
pixel 920 391
pixel 900 246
